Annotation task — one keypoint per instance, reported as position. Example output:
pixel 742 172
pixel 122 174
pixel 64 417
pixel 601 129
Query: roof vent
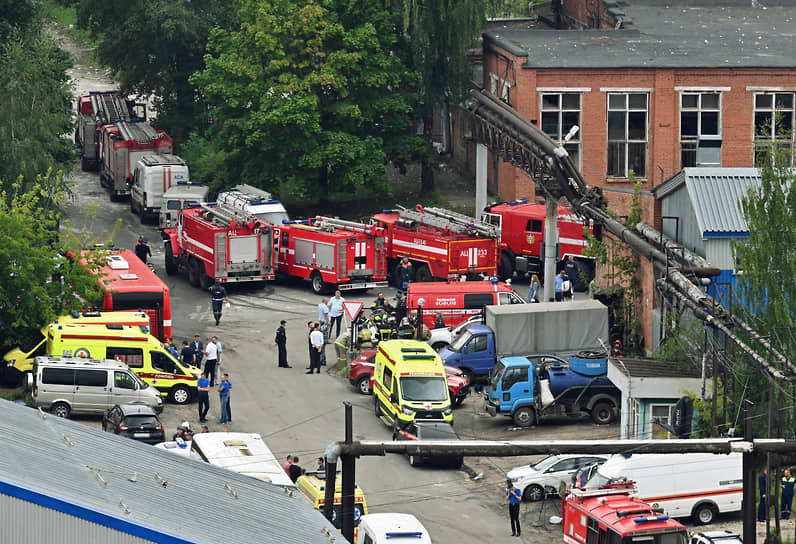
pixel 117 262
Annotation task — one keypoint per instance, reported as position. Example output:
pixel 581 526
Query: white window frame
pixel 627 142
pixel 493 83
pixel 670 409
pixel 700 110
pixel 574 145
pixel 774 111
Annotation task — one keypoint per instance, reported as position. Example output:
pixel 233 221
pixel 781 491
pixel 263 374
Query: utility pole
pixel 748 501
pixel 349 479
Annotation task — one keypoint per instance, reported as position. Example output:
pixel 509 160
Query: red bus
pixel 134 286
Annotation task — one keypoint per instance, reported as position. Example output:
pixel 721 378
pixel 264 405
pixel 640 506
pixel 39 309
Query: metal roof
pixel 649 368
pixel 715 195
pixel 142 490
pixel 667 34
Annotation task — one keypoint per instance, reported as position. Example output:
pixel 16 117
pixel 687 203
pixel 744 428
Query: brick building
pixel 655 86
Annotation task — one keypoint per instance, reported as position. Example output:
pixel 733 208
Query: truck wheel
pixel 376 406
pixel 704 513
pixel 141 211
pixel 171 262
pixel 414 460
pixel 506 267
pixel 423 273
pixel 523 417
pixel 60 409
pixel 533 493
pixel 363 385
pixel 193 272
pixel 436 346
pixel 317 282
pixel 602 413
pixel 179 394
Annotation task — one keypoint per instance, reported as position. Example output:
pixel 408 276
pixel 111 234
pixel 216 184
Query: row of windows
pixel 700 127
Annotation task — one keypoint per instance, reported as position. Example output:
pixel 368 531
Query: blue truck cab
pixel 473 351
pixel 525 388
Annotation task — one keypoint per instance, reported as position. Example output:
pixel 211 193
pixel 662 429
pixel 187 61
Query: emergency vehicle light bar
pixel 518 201
pixel 192 183
pixel 407 534
pixel 426 356
pixel 649 519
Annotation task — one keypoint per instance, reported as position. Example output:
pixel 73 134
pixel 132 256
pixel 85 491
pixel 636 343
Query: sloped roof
pixel 117 482
pixel 715 195
pixel 667 34
pixel 649 368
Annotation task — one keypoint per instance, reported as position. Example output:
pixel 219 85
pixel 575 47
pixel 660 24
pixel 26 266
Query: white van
pixel 255 201
pixel 178 197
pixel 391 529
pixel 67 385
pixel 700 485
pixel 246 453
pixel 154 175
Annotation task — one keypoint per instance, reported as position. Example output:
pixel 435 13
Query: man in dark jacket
pixel 218 296
pixel 281 344
pixel 142 250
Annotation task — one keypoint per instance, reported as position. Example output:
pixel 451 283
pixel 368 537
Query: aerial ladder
pixel 232 218
pixel 500 127
pixel 448 220
pixel 109 107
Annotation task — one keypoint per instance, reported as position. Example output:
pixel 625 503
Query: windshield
pixel 545 463
pixel 275 218
pixel 425 388
pixel 676 537
pixel 495 375
pixel 461 341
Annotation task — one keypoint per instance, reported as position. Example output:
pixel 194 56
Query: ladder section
pixel 140 132
pixel 109 107
pixel 333 223
pixel 227 217
pixel 449 220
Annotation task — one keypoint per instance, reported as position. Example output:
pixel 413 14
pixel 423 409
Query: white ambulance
pixel 153 176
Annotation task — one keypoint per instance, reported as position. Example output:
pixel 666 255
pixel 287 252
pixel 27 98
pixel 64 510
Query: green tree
pixel 436 35
pixel 18 15
pixel 36 107
pixel 307 98
pixel 38 281
pixel 153 47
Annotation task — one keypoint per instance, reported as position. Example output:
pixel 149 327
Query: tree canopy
pixel 306 96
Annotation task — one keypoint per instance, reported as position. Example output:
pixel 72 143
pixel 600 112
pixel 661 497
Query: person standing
pixel 336 312
pixel 295 470
pixel 560 286
pixel 323 318
pixel 514 497
pixel 572 268
pixel 287 464
pixel 316 345
pixel 533 293
pixel 142 250
pixel 310 327
pixel 203 397
pixel 380 302
pixel 186 355
pixel 439 322
pixel 786 501
pixel 223 398
pixel 198 351
pixel 211 353
pixel 218 296
pixel 281 344
pixel 762 486
pixel 400 306
pixel 406 272
pixel 322 359
pixel 219 349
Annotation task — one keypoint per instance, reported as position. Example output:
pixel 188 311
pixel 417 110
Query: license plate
pixel 140 435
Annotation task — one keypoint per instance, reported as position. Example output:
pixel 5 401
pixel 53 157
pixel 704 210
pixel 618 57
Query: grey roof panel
pixel 58 458
pixel 649 368
pixel 716 195
pixel 668 34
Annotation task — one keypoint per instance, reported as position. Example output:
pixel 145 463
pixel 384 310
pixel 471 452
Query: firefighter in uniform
pixel 218 296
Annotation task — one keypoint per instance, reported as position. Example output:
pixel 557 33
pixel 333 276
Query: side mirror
pixel 393 398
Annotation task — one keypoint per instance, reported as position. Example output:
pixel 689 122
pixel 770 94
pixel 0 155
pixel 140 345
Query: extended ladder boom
pixel 450 220
pixel 109 107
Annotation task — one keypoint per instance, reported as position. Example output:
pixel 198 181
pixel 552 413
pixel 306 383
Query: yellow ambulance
pixel 18 361
pixel 313 486
pixel 410 384
pixel 134 346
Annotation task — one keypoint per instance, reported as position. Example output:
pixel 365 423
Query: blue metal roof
pixel 715 195
pixel 144 491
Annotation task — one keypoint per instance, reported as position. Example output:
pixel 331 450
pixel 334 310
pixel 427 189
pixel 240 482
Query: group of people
pixel 203 398
pixel 294 470
pixel 210 351
pixel 564 282
pixel 787 484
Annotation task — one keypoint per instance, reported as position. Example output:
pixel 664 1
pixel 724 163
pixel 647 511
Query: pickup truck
pixel 526 388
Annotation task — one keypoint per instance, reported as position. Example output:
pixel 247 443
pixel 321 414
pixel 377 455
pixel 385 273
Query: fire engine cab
pixel 215 242
pixel 613 514
pixel 521 227
pixel 331 253
pixel 442 245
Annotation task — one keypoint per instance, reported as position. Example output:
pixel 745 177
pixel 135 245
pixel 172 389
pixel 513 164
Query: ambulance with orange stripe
pixel 135 347
pixel 696 485
pixel 410 384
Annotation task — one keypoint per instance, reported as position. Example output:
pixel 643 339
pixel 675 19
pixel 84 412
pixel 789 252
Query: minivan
pixel 457 301
pixel 74 385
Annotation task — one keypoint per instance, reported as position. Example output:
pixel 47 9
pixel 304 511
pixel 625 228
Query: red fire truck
pixel 215 242
pixel 331 253
pixel 129 284
pixel 122 144
pixel 613 514
pixel 521 227
pixel 440 243
pixel 94 110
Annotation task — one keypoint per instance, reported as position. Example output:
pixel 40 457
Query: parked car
pixel 135 421
pixel 446 335
pixel 584 474
pixel 430 430
pixel 533 479
pixel 360 375
pixel 715 537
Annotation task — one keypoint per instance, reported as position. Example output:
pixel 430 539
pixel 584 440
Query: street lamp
pixel 420 303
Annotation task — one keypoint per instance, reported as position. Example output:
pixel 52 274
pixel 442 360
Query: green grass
pixel 13 394
pixel 65 19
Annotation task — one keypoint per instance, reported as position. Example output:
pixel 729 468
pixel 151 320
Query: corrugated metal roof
pixel 649 368
pixel 715 195
pixel 199 503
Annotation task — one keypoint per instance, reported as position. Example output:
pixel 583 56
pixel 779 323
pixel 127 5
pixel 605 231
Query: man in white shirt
pixel 324 320
pixel 211 358
pixel 318 344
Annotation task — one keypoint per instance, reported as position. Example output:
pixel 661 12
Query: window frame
pixel 627 142
pixel 700 111
pixel 575 145
pixel 757 142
